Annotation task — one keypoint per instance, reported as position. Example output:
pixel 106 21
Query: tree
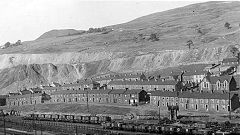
pixel 153 37
pixel 234 50
pixel 18 42
pixel 227 25
pixel 189 44
pixel 7 44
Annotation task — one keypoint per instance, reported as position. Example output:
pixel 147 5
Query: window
pixel 191 100
pixel 212 100
pixel 206 100
pixel 225 84
pixel 218 85
pixel 158 103
pixel 223 101
pixel 206 107
pixel 217 107
pixel 186 106
pixel 196 107
pixel 206 84
pixel 196 100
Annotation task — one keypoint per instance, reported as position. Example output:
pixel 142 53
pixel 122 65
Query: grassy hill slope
pixel 202 23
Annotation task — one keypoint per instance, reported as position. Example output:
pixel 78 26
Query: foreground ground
pixel 77 108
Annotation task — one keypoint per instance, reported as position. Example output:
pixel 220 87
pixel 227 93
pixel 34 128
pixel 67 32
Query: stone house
pixel 81 85
pixel 190 101
pixel 149 85
pixel 27 99
pixel 218 83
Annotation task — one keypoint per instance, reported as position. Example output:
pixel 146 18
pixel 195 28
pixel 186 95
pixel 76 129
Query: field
pixel 83 109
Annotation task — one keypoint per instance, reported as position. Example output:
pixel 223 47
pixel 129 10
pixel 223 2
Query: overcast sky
pixel 28 19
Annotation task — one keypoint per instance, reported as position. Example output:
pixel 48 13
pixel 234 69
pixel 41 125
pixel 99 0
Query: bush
pixel 227 25
pixel 153 37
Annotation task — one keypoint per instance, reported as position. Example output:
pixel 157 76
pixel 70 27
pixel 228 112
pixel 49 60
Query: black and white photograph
pixel 119 67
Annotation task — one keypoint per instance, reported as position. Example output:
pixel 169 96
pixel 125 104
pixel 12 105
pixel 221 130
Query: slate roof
pixel 102 91
pixel 37 89
pixel 133 91
pixel 151 82
pixel 194 72
pixel 80 83
pixel 118 76
pixel 214 79
pixel 25 96
pixel 69 92
pixel 163 93
pixel 24 92
pixel 195 95
pixel 117 91
pixel 51 88
pixel 56 84
pixel 226 60
pixel 3 96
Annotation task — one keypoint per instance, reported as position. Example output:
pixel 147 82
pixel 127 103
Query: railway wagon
pixel 106 125
pixel 104 119
pixel 94 119
pixel 66 118
pixel 41 117
pixel 31 117
pixel 142 128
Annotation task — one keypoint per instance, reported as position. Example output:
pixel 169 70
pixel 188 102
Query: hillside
pixel 149 43
pixel 59 33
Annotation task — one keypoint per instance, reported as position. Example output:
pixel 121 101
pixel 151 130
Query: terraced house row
pixel 194 101
pixel 106 96
pixel 191 90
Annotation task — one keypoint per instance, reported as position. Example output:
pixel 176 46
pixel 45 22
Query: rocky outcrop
pixel 28 70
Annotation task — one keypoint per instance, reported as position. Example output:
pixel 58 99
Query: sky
pixel 27 19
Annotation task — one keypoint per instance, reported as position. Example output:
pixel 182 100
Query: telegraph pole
pixel 87 102
pixel 4 125
pixel 159 109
